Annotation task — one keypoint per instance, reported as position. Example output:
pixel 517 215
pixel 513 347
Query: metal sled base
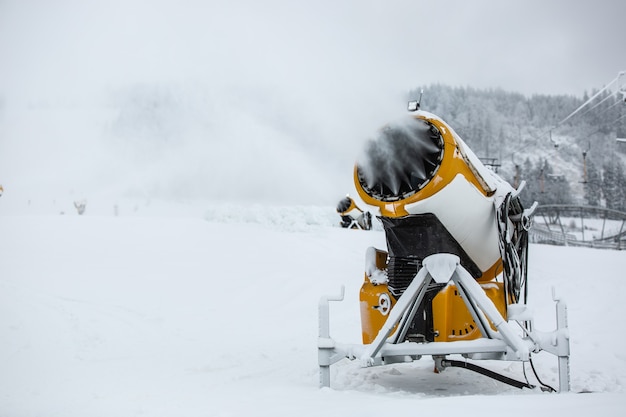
pixel 505 343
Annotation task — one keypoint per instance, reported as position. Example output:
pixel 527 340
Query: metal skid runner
pixel 503 343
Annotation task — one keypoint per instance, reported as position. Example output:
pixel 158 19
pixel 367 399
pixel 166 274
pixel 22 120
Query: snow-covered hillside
pixel 200 310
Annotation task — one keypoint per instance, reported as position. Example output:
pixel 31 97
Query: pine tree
pixel 556 189
pixel 610 187
pixel 593 186
pixel 532 190
pixel 620 180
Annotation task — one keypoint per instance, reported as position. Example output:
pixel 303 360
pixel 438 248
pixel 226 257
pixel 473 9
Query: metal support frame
pixel 562 343
pixel 504 343
pixel 327 355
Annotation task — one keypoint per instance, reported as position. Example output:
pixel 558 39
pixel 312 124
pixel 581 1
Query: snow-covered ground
pixel 203 310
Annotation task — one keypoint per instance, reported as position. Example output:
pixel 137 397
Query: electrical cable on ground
pixel 488 373
pixel 544 386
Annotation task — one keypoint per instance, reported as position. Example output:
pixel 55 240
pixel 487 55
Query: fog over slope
pixel 246 100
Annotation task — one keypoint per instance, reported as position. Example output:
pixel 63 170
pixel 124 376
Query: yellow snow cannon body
pixel 432 195
pixel 453 278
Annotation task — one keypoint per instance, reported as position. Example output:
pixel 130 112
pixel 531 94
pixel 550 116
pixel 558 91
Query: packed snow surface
pixel 203 310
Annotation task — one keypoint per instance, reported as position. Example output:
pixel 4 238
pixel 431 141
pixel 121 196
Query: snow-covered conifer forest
pixel 573 161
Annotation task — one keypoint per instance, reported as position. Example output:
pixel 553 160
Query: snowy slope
pixel 212 311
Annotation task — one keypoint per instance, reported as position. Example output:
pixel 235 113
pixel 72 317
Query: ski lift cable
pixel 602 101
pixel 548 131
pixel 618 119
pixel 617 103
pixel 540 136
pixel 606 87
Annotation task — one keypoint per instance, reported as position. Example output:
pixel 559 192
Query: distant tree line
pixel 573 161
pixel 608 186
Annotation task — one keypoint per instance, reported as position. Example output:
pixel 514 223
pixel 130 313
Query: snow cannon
pixel 453 278
pixel 432 195
pixel 352 217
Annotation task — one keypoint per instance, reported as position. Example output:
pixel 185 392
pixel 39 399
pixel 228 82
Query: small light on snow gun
pixel 352 217
pixel 453 277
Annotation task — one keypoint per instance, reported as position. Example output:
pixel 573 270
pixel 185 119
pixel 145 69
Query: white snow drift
pixel 214 313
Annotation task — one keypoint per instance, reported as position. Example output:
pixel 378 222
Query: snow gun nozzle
pixel 400 160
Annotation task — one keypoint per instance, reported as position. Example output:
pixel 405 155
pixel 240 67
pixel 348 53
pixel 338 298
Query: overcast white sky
pixel 530 46
pixel 319 70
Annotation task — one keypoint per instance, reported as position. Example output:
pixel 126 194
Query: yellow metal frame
pixel 373 314
pixel 452 320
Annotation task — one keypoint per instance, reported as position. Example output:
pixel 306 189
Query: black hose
pixel 544 387
pixel 486 372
